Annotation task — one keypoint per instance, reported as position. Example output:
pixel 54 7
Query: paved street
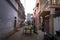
pixel 20 36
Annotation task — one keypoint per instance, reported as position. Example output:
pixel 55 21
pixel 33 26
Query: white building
pixel 29 17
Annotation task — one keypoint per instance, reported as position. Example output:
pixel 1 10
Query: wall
pixel 7 14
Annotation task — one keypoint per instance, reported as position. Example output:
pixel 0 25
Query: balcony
pixel 57 2
pixel 54 3
pixel 50 4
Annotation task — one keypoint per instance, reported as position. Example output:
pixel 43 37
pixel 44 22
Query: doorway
pixel 46 24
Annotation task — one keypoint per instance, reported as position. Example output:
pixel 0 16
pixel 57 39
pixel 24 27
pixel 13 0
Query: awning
pixel 44 13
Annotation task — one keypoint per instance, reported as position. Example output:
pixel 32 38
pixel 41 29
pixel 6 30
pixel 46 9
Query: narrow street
pixel 21 36
pixel 29 19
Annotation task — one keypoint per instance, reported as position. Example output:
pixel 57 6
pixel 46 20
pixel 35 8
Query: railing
pixel 52 3
pixel 55 2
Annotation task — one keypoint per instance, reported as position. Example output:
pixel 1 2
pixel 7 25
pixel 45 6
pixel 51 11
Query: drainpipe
pixel 15 29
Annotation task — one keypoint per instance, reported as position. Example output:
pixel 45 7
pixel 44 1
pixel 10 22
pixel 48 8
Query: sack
pixel 30 27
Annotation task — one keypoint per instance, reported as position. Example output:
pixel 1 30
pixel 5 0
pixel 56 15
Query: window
pixel 37 5
pixel 35 12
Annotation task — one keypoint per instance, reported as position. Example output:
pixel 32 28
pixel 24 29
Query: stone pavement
pixel 21 36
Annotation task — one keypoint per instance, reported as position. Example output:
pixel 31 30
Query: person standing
pixel 34 27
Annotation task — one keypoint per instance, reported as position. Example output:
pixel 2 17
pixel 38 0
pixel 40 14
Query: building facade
pixel 36 14
pixel 50 13
pixel 49 16
pixel 21 14
pixel 8 16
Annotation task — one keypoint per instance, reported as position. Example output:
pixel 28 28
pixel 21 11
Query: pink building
pixel 36 14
